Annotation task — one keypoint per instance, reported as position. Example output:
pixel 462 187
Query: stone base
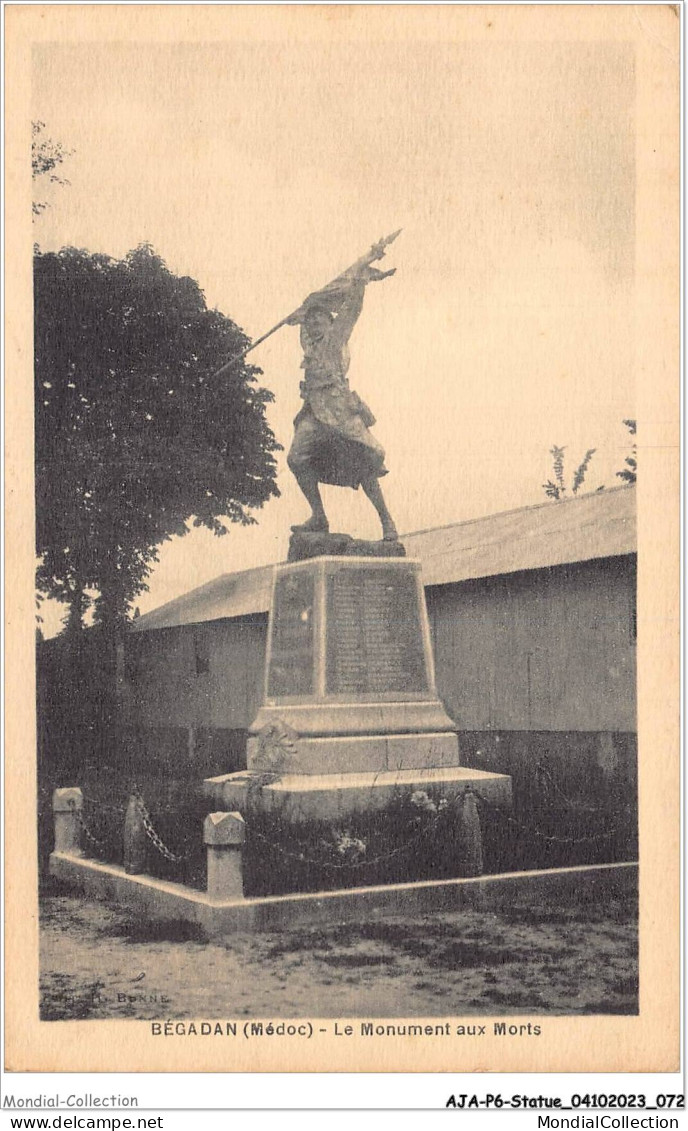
pixel 346 754
pixel 166 902
pixel 334 797
pixel 303 545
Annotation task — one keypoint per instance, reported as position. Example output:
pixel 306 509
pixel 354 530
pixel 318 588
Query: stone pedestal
pixel 349 672
pixel 350 713
pixel 305 544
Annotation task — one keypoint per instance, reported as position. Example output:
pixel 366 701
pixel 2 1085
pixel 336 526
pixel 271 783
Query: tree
pixel 133 436
pixel 556 488
pixel 46 156
pixel 629 473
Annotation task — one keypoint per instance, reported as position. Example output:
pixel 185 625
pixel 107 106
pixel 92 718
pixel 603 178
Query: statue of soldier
pixel 332 439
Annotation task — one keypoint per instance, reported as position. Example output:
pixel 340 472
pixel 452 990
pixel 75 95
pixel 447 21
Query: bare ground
pixel 99 961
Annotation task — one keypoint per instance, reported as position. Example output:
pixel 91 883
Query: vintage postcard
pixel 342 450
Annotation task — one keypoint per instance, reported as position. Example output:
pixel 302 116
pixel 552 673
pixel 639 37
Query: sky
pixel 264 168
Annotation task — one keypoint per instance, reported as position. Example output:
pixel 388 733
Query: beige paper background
pixel 645 1043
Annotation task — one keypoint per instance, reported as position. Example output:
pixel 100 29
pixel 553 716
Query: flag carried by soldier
pixel 332 439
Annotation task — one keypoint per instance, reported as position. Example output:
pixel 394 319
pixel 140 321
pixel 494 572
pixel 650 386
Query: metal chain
pixel 173 857
pixel 542 773
pixel 533 831
pixel 156 839
pixel 302 857
pixel 86 830
pixel 370 861
pixel 573 805
pixel 333 865
pixel 400 850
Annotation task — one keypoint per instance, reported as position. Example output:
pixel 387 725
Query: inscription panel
pixel 291 653
pixel 374 634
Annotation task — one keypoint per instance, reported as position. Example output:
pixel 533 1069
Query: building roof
pixel 231 595
pixel 598 525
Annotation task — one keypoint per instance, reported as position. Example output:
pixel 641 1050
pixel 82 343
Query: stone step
pixel 325 797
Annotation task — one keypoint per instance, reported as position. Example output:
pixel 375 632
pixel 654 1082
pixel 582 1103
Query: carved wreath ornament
pixel 277 747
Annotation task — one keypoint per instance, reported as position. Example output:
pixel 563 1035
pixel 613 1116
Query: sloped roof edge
pixel 597 525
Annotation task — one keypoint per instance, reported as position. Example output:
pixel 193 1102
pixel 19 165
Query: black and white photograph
pixel 346 571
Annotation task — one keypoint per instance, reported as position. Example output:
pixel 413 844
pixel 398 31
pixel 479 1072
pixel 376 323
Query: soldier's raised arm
pixel 353 300
pixel 349 311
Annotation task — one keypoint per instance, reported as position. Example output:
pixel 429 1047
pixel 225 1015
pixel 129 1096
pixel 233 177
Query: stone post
pixel 224 835
pixel 67 805
pixel 134 837
pixel 471 836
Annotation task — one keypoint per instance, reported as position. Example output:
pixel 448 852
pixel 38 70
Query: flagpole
pixel 233 360
pixel 376 252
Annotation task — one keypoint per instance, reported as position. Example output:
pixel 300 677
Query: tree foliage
pixel 629 473
pixel 556 488
pixel 133 435
pixel 46 156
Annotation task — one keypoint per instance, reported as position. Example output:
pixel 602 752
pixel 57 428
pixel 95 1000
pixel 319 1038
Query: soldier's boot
pixel 312 525
pixel 308 482
pixel 373 490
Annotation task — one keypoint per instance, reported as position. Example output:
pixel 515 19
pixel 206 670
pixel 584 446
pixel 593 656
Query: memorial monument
pixel 350 714
pixel 332 438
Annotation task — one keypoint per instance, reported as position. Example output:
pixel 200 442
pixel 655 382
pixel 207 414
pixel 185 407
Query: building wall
pixel 538 670
pixel 544 650
pixel 205 675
